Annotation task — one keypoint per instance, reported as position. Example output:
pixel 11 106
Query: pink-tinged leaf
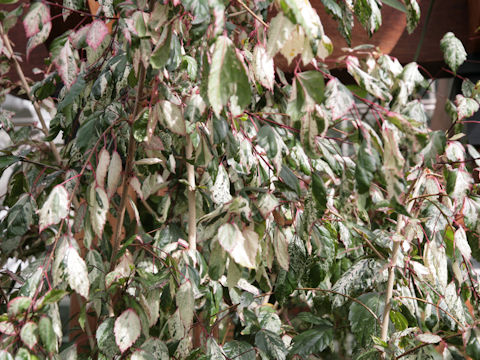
pixel 66 65
pixel 135 184
pixel 102 167
pixel 127 329
pixel 96 34
pixel 114 172
pixel 38 38
pixel 37 17
pixel 79 37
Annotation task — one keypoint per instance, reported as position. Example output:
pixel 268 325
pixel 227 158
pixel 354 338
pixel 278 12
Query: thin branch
pixel 252 13
pixel 26 87
pixel 128 169
pixel 91 343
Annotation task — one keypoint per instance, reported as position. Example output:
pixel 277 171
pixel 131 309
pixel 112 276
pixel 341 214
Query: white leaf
pixel 102 167
pixel 279 31
pixel 127 329
pixel 435 260
pixel 76 271
pixel 463 183
pixel 232 240
pixel 29 334
pixel 135 184
pixel 453 51
pixel 454 303
pixel 338 98
pixel 297 43
pixel 66 65
pixel 55 208
pixel 455 151
pixel 123 270
pixel 99 206
pixel 429 338
pixel 466 107
pixel 461 243
pixel 280 244
pixel 263 67
pixel 266 204
pixel 96 34
pixel 38 38
pixel 172 117
pixel 7 328
pixel 149 161
pixel 114 172
pixel 221 187
pixel 185 303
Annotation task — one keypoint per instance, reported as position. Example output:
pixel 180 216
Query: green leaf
pixel 312 341
pixel 185 303
pixel 8 1
pixel 18 306
pixel 367 165
pixel 362 322
pixel 7 160
pixel 319 192
pixel 396 4
pixel 20 216
pixel 55 207
pixel 156 348
pixel 435 146
pixel 239 350
pixel 106 338
pixel 29 334
pixel 52 297
pixel 290 179
pixel 368 12
pixel 453 51
pixel 271 344
pixel 47 334
pixel 313 84
pixel 227 82
pixel 398 320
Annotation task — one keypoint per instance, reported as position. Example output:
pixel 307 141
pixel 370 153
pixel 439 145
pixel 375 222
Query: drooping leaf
pixel 368 12
pixel 55 207
pixel 453 51
pixel 263 67
pixel 127 329
pixel 241 248
pixel 466 107
pixel 227 82
pixel 76 271
pixel 359 277
pixel 47 334
pixel 106 338
pixel 362 322
pixel 66 65
pixel 102 167
pixel 371 84
pixel 435 146
pixel 98 207
pixel 185 303
pixel 413 15
pixel 312 341
pixel 114 173
pixel 221 187
pixel 172 117
pixel 338 98
pixel 461 243
pixel 367 164
pixel 271 344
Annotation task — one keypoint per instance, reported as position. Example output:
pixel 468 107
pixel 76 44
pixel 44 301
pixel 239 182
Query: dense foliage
pixel 197 202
